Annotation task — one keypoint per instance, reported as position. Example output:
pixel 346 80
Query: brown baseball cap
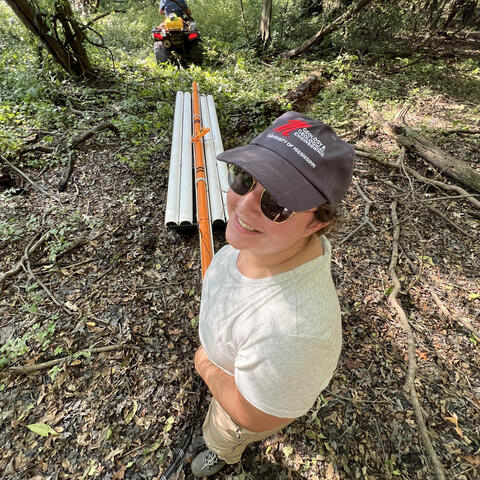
pixel 299 160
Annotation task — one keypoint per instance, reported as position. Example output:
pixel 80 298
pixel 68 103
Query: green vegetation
pixel 138 96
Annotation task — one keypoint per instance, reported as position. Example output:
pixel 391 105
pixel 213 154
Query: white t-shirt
pixel 280 337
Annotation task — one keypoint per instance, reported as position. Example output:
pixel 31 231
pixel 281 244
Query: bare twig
pixel 409 386
pixel 366 218
pixel 473 213
pixel 450 222
pixel 41 366
pixel 355 131
pixel 29 180
pixel 93 20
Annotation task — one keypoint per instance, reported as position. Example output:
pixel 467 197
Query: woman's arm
pixel 223 388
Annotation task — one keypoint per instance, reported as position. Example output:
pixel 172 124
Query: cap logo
pixel 291 126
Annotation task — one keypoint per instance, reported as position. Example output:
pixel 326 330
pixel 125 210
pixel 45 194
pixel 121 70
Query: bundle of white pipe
pixel 179 211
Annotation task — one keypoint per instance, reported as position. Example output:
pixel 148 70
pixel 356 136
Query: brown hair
pixel 326 213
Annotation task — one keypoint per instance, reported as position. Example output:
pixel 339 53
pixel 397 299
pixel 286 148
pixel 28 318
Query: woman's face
pixel 249 229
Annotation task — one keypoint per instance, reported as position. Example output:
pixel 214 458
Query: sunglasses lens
pixel 240 181
pixel 272 210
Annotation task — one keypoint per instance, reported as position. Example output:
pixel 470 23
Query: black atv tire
pixel 196 54
pixel 162 54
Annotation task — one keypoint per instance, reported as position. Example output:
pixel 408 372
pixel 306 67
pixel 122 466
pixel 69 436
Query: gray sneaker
pixel 206 464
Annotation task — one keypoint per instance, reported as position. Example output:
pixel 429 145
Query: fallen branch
pixel 444 186
pixel 29 180
pixel 443 309
pixel 461 131
pixel 473 213
pixel 409 385
pixel 326 30
pixel 454 318
pixel 79 242
pixel 41 366
pixel 301 97
pixel 416 142
pixel 450 222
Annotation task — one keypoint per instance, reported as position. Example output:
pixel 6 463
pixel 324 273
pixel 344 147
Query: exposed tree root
pixel 31 247
pixel 29 180
pixel 409 385
pixel 76 142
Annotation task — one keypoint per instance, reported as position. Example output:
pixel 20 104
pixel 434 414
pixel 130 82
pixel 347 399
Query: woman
pixel 270 326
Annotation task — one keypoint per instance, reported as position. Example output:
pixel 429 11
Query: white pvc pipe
pixel 173 192
pixel 217 141
pixel 217 216
pixel 185 217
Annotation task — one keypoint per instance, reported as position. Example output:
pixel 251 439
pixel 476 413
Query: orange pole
pixel 204 225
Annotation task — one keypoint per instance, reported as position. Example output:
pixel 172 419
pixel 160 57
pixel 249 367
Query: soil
pixel 135 285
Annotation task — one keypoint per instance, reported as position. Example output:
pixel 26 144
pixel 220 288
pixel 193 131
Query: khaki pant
pixel 224 437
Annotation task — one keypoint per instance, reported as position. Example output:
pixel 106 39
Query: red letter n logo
pixel 291 126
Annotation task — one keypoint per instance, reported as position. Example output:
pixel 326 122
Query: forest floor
pixel 107 273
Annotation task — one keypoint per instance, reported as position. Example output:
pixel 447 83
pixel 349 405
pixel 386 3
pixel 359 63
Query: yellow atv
pixel 178 36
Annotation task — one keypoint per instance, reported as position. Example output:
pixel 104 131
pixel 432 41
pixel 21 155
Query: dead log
pixel 301 97
pixel 420 145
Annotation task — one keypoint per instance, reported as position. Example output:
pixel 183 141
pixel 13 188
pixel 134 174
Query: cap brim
pixel 281 179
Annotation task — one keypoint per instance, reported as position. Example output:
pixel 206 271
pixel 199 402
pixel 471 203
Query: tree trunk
pixel 265 22
pixel 416 142
pixel 318 37
pixel 72 56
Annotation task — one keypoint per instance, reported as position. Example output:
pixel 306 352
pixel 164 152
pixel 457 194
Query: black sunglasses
pixel 242 182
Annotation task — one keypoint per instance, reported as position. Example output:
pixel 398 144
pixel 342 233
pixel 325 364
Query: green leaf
pixel 58 351
pixel 427 259
pixel 131 414
pixel 42 429
pixel 53 372
pixel 288 450
pixel 169 424
pixel 152 448
pixel 31 287
pixel 473 296
pixel 389 290
pixel 33 308
pixel 194 322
